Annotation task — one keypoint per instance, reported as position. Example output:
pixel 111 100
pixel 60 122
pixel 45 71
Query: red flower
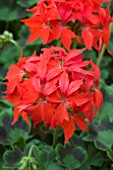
pixel 61 19
pixel 14 75
pixel 55 88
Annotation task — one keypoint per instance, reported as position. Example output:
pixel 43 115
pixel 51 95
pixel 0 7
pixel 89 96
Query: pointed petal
pixel 36 84
pixel 81 123
pixel 34 112
pixel 81 99
pixel 47 112
pixel 60 115
pixel 49 88
pixel 16 115
pixel 73 86
pixel 29 94
pixel 53 73
pixel 63 83
pixel 88 38
pixel 34 34
pixel 44 34
pixel 66 38
pixel 54 97
pixel 96 70
pixel 15 75
pixel 88 110
pixel 42 68
pixel 25 117
pixel 98 99
pixel 69 128
pixel 74 54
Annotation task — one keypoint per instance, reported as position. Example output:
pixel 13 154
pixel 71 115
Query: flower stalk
pixel 54 138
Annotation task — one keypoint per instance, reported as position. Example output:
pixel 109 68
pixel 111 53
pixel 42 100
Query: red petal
pixel 36 84
pixel 66 38
pixel 25 117
pixel 88 38
pixel 16 115
pixel 64 83
pixel 69 128
pixel 34 34
pixel 73 54
pixel 14 75
pixel 60 115
pixel 47 112
pixel 98 99
pixel 81 99
pixel 42 67
pixel 54 33
pixel 35 116
pixel 53 73
pixel 95 69
pixel 81 123
pixel 44 34
pixel 49 88
pixel 29 94
pixel 54 97
pixel 73 86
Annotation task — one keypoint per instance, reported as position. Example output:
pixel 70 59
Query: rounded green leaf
pixel 71 158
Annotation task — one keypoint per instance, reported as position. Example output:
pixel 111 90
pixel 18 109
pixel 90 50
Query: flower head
pixel 55 88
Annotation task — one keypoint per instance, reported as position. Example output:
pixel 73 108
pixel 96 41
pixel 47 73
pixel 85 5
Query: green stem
pixel 58 43
pixel 16 45
pixel 54 138
pixel 30 151
pixel 102 50
pixel 101 55
pixel 33 149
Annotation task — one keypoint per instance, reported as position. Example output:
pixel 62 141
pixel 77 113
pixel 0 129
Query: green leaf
pixel 76 140
pixel 104 73
pixel 108 109
pixel 95 158
pixel 12 157
pixel 27 4
pixel 108 89
pixel 48 157
pixel 11 11
pixel 102 135
pixel 11 134
pixel 71 158
pixel 1 159
pixel 104 139
pixel 110 154
pixel 9 14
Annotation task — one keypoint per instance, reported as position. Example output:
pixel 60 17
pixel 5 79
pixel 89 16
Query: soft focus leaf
pixel 27 3
pixel 71 158
pixel 101 135
pixel 10 11
pixel 11 134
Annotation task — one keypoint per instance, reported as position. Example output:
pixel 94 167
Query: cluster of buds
pixel 28 163
pixel 5 39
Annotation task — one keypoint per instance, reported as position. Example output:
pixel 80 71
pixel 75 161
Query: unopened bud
pixel 8 35
pixel 34 167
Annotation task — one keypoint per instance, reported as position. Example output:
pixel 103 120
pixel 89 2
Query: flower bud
pixel 34 167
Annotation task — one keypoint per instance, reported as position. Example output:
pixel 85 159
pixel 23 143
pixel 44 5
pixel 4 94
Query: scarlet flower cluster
pixel 58 88
pixel 83 21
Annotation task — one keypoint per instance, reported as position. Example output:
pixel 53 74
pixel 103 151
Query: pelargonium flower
pixel 55 88
pixel 76 20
